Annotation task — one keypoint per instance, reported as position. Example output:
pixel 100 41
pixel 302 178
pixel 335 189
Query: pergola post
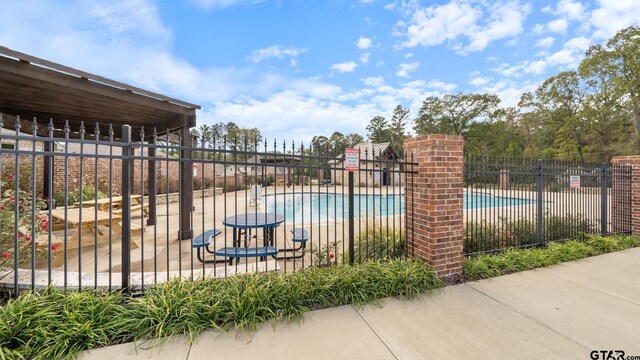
pixel 47 189
pixel 151 179
pixel 186 175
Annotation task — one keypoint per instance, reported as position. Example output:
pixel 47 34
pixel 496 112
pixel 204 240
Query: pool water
pixel 315 207
pixel 304 207
pixel 478 200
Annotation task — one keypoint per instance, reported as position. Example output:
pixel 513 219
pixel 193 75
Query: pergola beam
pixel 47 77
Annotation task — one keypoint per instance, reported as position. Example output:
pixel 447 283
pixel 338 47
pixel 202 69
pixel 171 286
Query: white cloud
pixel 558 26
pixel 440 85
pixel 477 81
pixel 436 24
pixel 373 81
pixel 300 116
pixel 125 20
pixel 612 16
pixel 363 43
pixel 213 4
pixel 545 42
pixel 477 22
pixel 567 58
pixel 505 69
pixel 578 44
pixel 505 21
pixel 274 51
pixel 292 115
pixel 95 36
pixel 571 54
pixel 536 67
pixel 405 69
pixel 510 91
pixel 364 58
pixel 572 10
pixel 345 67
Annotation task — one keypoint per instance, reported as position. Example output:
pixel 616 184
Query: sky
pixel 296 68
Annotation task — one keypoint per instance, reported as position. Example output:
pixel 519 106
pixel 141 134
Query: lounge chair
pixel 255 195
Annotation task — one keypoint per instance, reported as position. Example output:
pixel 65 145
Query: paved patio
pixel 563 311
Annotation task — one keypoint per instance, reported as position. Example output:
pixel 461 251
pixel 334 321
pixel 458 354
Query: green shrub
pixel 88 193
pixel 56 324
pixel 513 260
pixel 22 207
pixel 25 177
pixel 325 255
pixel 568 227
pixel 376 243
pixel 521 232
pixel 483 236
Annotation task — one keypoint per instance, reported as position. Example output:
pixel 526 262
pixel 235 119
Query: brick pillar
pixel 436 235
pixel 617 205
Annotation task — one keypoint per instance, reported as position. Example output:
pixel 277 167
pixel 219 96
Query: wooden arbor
pixel 33 87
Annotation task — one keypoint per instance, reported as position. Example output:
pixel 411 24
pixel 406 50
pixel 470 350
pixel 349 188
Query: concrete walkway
pixel 561 312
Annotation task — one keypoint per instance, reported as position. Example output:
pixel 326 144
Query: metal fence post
pixel 351 226
pixel 127 184
pixel 540 203
pixel 603 200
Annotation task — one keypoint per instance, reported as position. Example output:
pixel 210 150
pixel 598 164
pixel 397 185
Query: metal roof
pixel 33 87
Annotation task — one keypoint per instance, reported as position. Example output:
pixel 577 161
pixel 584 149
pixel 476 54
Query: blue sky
pixel 297 68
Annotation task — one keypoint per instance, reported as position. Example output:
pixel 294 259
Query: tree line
pixel 590 114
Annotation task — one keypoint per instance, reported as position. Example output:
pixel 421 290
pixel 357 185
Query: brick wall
pixel 617 203
pixel 437 233
pixel 166 171
pixel 8 161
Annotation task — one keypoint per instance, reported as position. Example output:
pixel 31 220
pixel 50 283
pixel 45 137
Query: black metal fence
pixel 85 210
pixel 519 203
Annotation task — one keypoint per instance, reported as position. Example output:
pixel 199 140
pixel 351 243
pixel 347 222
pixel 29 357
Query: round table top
pixel 254 220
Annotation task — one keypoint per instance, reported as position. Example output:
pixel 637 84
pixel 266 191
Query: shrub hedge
pixel 56 324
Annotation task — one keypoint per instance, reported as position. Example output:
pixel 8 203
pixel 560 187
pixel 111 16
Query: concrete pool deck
pixel 162 252
pixel 560 312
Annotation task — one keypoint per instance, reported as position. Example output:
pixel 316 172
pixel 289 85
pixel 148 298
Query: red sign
pixel 351 159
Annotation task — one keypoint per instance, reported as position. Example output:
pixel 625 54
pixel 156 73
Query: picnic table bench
pixel 91 221
pixel 115 204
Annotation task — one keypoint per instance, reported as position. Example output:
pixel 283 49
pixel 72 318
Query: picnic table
pixel 115 202
pixel 91 220
pixel 242 224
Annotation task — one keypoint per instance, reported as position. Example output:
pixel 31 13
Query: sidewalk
pixel 562 312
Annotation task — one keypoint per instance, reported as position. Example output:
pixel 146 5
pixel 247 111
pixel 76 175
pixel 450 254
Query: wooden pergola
pixel 33 87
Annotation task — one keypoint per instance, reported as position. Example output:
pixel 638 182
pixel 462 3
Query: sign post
pixel 351 159
pixel 574 181
pixel 351 164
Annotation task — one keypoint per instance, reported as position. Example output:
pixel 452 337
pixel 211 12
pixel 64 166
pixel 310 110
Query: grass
pixel 55 324
pixel 514 260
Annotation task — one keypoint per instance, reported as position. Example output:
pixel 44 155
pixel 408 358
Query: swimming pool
pixel 303 207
